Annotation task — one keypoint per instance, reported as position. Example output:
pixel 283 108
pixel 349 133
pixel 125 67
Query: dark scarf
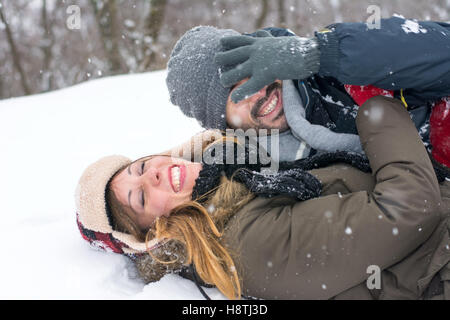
pixel 292 178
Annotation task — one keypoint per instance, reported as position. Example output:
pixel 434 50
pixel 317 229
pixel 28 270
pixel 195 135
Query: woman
pixel 296 235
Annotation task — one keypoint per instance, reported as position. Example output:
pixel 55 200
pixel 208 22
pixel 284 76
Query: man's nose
pixel 258 95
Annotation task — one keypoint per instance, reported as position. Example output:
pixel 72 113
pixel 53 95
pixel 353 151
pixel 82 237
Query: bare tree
pixel 119 37
pixel 15 54
pixel 106 16
pixel 262 16
pixel 281 14
pixel 47 45
pixel 152 27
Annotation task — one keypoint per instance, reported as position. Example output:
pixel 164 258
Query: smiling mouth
pixel 270 105
pixel 176 177
pixel 269 108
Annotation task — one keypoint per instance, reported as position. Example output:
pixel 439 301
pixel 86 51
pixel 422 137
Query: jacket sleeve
pixel 318 248
pixel 401 54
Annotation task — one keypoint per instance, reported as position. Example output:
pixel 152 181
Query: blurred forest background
pixel 40 51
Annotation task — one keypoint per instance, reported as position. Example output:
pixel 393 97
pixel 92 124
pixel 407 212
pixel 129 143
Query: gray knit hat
pixel 193 76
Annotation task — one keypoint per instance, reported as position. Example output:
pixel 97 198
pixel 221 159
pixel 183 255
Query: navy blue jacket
pixel 402 54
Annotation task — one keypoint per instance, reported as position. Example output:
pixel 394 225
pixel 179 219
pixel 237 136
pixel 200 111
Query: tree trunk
pixel 152 28
pixel 47 46
pixel 106 18
pixel 1 88
pixel 15 54
pixel 281 14
pixel 262 17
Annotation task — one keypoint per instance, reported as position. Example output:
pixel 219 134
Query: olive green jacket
pixel 395 221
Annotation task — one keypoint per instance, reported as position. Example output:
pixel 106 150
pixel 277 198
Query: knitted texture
pixel 291 180
pixel 193 78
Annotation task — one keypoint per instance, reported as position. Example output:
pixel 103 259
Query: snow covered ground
pixel 46 141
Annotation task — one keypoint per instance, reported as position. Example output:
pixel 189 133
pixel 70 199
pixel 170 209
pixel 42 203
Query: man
pixel 312 86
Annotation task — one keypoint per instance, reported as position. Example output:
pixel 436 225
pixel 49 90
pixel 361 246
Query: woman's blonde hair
pixel 198 227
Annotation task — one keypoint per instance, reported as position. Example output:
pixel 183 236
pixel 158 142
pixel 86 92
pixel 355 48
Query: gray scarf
pixel 316 136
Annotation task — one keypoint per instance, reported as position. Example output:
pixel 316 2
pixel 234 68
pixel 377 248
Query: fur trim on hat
pixel 92 217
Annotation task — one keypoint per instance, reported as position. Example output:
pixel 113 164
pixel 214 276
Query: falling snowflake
pixel 328 214
pixel 395 231
pixel 348 230
pixel 236 121
pixel 376 113
pixel 129 23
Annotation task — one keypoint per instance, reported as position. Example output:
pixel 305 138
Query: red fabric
pixel 439 121
pixel 363 93
pixel 103 241
pixel 440 131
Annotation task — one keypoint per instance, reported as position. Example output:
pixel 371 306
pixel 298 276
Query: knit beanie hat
pixel 92 214
pixel 193 78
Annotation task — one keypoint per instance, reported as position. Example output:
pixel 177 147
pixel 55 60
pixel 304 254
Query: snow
pixel 328 98
pixel 47 141
pixel 411 26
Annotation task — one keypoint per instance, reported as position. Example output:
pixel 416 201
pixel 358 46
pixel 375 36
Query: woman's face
pixel 152 187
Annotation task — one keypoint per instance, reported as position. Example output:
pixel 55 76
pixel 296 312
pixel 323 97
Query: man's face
pixel 263 110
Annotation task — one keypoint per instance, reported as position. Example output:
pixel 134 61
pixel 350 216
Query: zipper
pixel 304 93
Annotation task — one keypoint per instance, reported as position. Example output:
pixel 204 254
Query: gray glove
pixel 264 59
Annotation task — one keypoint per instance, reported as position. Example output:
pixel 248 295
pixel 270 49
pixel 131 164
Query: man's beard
pixel 256 108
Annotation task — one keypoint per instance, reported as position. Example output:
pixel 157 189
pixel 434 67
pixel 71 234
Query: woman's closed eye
pixel 142 193
pixel 142 167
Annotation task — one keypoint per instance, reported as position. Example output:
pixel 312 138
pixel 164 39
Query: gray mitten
pixel 264 59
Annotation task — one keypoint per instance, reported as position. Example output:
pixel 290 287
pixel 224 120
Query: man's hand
pixel 264 59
